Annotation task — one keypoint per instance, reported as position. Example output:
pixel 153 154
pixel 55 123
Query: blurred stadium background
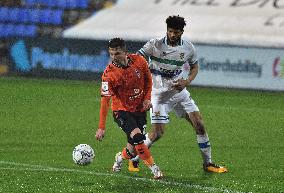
pixel 52 54
pixel 239 42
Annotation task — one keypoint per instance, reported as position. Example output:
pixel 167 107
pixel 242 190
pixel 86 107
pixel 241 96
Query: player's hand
pixel 180 84
pixel 100 134
pixel 147 105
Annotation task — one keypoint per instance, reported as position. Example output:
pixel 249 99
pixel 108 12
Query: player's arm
pixel 182 83
pixel 147 50
pixel 105 103
pixel 193 65
pixel 193 72
pixel 148 87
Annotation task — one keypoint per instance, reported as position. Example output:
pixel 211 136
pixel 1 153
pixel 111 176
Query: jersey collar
pixel 130 62
pixel 166 40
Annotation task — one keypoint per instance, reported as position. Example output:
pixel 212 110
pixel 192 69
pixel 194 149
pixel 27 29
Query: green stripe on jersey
pixel 167 61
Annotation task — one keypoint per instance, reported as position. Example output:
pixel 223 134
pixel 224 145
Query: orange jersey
pixel 128 86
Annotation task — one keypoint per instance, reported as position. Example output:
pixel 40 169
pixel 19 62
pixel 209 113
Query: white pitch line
pixel 30 167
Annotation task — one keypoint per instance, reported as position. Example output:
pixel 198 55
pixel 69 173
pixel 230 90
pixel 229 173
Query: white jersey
pixel 168 63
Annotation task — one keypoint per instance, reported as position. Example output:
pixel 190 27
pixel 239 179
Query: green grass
pixel 41 121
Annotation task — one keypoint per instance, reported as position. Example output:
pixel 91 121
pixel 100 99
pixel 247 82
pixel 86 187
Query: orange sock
pixel 126 154
pixel 149 162
pixel 145 154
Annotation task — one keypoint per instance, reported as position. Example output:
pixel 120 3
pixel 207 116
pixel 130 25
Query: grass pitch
pixel 41 121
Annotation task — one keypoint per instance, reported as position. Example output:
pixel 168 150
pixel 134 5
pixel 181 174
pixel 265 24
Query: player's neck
pixel 122 64
pixel 173 44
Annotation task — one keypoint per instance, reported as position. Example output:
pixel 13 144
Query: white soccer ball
pixel 83 154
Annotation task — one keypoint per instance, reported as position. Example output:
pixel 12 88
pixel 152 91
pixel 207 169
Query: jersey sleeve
pixel 193 56
pixel 105 103
pixel 147 49
pixel 106 93
pixel 107 84
pixel 147 79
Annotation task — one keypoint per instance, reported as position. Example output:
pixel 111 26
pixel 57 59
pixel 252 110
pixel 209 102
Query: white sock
pixel 205 148
pixel 147 141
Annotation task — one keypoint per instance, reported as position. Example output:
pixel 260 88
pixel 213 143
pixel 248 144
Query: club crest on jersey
pixel 181 56
pixel 138 73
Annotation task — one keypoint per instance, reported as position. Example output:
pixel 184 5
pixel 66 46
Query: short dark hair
pixel 117 42
pixel 176 22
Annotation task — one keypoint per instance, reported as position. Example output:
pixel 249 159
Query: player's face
pixel 118 56
pixel 174 35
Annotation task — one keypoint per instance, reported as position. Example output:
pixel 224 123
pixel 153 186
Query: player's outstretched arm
pixel 105 102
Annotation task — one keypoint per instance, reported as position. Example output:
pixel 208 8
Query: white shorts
pixel 181 102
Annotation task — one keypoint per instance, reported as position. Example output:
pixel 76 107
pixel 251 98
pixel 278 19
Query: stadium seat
pixel 49 16
pixel 24 15
pixel 56 17
pixel 1 30
pixel 30 31
pixel 83 4
pixel 13 15
pixel 45 16
pixel 19 30
pixel 30 3
pixel 4 14
pixel 72 4
pixel 62 4
pixel 35 15
pixel 49 3
pixel 9 30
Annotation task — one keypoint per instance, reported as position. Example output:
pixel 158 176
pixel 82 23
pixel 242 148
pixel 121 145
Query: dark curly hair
pixel 175 22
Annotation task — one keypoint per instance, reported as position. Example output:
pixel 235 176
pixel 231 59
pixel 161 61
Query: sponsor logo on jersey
pixel 137 94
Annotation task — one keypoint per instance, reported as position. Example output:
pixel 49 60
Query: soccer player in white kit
pixel 174 65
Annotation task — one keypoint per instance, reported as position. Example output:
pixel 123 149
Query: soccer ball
pixel 83 154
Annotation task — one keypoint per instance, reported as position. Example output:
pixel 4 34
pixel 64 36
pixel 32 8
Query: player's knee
pixel 199 127
pixel 138 138
pixel 196 120
pixel 158 132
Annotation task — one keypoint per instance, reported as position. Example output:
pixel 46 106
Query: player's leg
pixel 144 152
pixel 125 122
pixel 159 117
pixel 195 119
pixel 202 138
pixel 129 123
pixel 127 153
pixel 188 109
